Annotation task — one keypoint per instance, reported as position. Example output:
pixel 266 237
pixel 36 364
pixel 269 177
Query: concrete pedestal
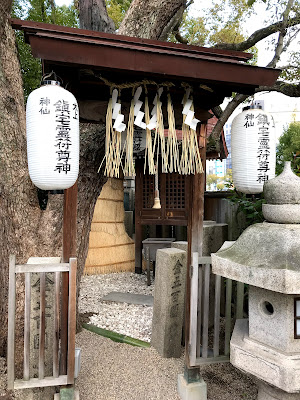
pixel 267 392
pixel 264 362
pixel 191 391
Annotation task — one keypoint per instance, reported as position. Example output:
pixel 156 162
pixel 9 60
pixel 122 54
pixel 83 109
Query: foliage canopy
pixel 288 148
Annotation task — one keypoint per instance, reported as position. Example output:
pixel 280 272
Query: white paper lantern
pixel 253 150
pixel 52 125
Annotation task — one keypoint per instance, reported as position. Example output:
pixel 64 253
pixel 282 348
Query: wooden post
pixel 69 250
pixel 138 225
pixel 195 240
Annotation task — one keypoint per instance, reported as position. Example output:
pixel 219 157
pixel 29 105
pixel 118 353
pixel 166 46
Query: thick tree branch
pixel 235 102
pixel 173 23
pixel 148 19
pixel 176 31
pixel 93 15
pixel 258 35
pixel 289 89
pixel 279 47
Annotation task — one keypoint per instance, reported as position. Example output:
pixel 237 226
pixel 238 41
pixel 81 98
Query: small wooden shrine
pixel 93 64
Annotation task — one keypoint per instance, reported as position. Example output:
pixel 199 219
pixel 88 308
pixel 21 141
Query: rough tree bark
pixel 148 19
pixel 25 230
pixel 93 16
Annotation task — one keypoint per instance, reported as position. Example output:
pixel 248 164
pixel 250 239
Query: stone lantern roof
pixel 267 255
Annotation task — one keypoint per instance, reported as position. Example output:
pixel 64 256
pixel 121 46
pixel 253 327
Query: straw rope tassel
pixel 108 140
pixel 196 162
pixel 129 165
pixel 161 134
pixel 172 144
pixel 190 162
pixel 149 153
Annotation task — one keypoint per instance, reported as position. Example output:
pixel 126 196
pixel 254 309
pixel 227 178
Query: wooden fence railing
pixel 216 303
pixel 56 379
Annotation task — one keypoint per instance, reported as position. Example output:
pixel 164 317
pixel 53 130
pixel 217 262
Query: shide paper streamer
pixel 162 146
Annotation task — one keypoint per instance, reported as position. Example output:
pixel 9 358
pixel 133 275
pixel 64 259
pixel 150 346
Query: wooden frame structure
pixel 212 73
pixel 201 292
pixel 56 379
pixel 174 197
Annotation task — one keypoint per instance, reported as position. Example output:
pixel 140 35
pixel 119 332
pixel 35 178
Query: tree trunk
pixel 25 230
pixel 148 19
pixel 93 16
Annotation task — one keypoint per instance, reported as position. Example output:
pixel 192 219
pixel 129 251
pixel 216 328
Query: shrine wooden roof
pixel 73 52
pixel 83 59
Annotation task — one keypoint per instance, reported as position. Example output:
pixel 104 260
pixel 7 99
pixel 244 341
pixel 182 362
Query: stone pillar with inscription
pixel 168 307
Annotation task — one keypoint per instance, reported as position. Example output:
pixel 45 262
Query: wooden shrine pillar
pixel 138 224
pixel 195 240
pixel 69 250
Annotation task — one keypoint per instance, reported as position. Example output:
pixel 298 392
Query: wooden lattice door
pixel 174 199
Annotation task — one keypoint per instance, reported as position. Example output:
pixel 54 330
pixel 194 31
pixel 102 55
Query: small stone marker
pixel 168 308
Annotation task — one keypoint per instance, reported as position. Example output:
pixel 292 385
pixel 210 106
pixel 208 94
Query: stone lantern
pixel 267 257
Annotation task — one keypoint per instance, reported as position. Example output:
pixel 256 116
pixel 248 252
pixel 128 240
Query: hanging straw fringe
pixel 160 133
pixel 113 147
pixel 172 145
pixel 190 162
pixel 149 152
pixel 129 169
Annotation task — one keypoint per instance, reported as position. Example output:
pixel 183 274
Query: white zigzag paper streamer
pixel 153 121
pixel 119 126
pixel 189 120
pixel 139 115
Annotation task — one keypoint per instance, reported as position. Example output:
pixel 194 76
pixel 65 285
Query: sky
pixel 60 3
pixel 283 108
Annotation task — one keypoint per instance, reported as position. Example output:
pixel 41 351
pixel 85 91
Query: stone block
pixel 168 308
pixel 271 319
pixel 214 235
pixel 267 392
pixel 181 245
pixel 263 362
pixel 257 258
pixel 191 391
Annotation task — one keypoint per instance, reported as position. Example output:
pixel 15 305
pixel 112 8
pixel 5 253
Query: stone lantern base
pixel 267 392
pixel 267 364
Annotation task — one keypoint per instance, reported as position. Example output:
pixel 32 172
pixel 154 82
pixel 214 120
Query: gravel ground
pixel 127 319
pixel 111 371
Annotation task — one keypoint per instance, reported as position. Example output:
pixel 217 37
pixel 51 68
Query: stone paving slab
pixel 130 298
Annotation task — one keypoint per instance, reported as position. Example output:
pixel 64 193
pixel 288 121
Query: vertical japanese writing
pixel 35 319
pixel 75 111
pixel 176 290
pixel 263 151
pixel 249 120
pixel 44 103
pixel 63 139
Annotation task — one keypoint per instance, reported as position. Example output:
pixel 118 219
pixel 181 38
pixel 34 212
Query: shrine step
pixel 130 298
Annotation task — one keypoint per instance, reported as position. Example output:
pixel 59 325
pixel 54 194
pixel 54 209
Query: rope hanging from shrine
pixel 161 146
